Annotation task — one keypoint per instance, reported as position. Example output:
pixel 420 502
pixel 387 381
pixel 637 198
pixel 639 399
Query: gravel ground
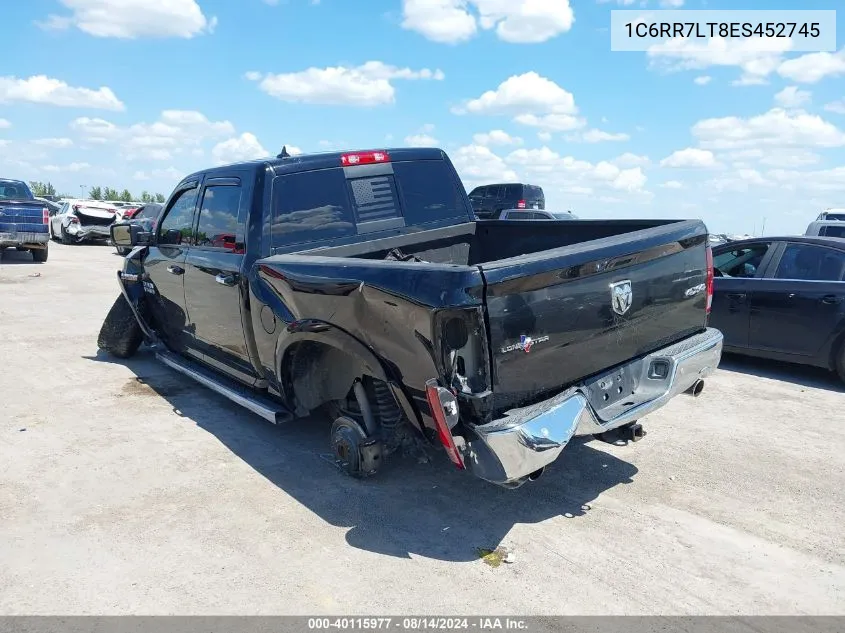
pixel 125 488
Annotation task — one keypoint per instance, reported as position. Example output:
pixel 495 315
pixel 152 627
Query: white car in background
pixel 81 220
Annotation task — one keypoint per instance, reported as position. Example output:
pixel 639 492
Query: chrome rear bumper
pixel 508 450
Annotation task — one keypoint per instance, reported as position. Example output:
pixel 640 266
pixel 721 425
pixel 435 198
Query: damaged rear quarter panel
pixel 386 307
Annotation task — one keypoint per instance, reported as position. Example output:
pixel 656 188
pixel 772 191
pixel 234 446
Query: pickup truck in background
pixel 359 283
pixel 23 220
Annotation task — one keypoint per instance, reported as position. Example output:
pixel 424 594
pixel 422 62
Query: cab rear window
pixel 325 204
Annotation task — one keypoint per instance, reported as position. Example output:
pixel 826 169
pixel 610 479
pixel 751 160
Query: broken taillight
pixel 710 276
pixel 444 409
pixel 364 158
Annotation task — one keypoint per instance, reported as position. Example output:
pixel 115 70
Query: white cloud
pixel 777 127
pixel 630 180
pixel 757 59
pixel 552 122
pixel 544 136
pixel 72 167
pixel 129 19
pixel 240 148
pixel 567 172
pixel 837 107
pixel 477 164
pixel 526 93
pixel 57 143
pixel 813 67
pixel 773 157
pixel 515 21
pixel 672 184
pixel 442 21
pixel 46 90
pixel 690 157
pixel 742 180
pixel 703 80
pixel 600 136
pixel 792 97
pixel 496 137
pixel 170 174
pixel 5 124
pixel 631 160
pixel 161 140
pixel 421 140
pixel 365 85
pixel 819 180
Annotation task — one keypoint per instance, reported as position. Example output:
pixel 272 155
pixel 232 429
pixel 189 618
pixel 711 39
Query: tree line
pixel 41 189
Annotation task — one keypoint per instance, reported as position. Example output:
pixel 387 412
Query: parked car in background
pixel 533 214
pixel 81 220
pixel 145 216
pixel 489 199
pixel 826 228
pixel 23 220
pixel 782 298
pixel 832 214
pixel 54 207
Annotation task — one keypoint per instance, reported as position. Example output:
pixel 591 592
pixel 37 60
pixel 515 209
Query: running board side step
pixel 263 406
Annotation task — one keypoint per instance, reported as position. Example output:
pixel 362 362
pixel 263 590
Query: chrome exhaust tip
pixel 697 388
pixel 536 474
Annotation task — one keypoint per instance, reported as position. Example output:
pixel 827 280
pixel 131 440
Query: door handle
pixel 173 269
pixel 226 280
pixel 830 299
pixel 739 296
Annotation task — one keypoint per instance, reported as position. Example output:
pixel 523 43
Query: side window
pixel 429 191
pixel 494 192
pixel 311 206
pixel 533 192
pixel 512 192
pixel 218 221
pixel 834 231
pixel 178 224
pixel 478 192
pixel 741 262
pixel 811 263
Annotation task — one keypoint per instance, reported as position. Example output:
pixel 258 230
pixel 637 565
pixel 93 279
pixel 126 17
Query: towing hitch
pixel 631 432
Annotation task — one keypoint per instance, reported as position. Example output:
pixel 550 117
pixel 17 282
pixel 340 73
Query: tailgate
pixel 23 217
pixel 561 315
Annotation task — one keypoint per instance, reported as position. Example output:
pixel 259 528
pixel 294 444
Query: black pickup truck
pixel 359 283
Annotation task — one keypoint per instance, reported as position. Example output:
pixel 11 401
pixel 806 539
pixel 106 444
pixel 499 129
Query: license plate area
pixel 614 387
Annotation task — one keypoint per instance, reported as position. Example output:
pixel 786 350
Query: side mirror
pixel 129 235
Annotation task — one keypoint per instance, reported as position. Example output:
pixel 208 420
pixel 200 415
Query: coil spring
pixel 384 406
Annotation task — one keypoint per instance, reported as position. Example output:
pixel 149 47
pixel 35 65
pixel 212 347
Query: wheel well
pixel 314 374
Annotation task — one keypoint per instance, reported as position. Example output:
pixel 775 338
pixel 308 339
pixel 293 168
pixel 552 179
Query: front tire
pixel 120 334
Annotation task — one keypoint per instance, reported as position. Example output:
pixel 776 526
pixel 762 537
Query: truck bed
pixel 551 282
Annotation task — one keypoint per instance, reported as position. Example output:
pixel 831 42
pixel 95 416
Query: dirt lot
pixel 125 488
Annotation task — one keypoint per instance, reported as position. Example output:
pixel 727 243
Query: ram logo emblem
pixel 621 296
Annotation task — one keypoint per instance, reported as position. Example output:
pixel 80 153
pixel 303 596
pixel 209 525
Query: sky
pixel 138 93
